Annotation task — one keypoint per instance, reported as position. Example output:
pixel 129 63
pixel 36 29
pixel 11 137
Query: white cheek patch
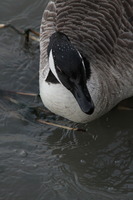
pixel 52 65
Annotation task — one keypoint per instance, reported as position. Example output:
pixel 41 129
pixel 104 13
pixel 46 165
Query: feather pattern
pixel 101 30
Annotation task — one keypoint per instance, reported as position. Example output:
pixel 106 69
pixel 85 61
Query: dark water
pixel 41 162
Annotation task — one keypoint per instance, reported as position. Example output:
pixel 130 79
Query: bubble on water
pixel 23 153
pixel 22 162
pixel 117 162
pixel 83 162
pixel 35 165
pixel 110 189
pixel 15 150
pixel 60 156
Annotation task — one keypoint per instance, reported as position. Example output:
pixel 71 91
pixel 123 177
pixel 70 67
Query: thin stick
pixel 2 25
pixel 25 33
pixel 12 100
pixel 34 32
pixel 124 108
pixel 34 38
pixel 60 126
pixel 6 92
pixel 12 27
pixel 27 94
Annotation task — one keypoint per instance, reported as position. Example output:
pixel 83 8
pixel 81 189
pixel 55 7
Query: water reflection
pixel 99 162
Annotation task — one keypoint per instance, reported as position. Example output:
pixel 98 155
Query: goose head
pixel 69 68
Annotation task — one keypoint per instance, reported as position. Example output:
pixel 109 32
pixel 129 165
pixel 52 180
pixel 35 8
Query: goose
pixel 86 57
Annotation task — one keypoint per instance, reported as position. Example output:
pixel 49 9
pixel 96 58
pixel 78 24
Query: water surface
pixel 39 162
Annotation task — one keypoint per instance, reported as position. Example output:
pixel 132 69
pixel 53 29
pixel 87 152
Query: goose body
pixel 86 57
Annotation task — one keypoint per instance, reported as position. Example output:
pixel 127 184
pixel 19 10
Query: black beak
pixel 83 98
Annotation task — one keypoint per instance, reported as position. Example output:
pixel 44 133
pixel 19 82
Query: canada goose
pixel 86 57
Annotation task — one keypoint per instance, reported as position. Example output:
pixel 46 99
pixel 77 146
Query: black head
pixel 70 68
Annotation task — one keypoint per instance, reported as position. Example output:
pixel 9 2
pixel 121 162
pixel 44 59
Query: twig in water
pixel 60 126
pixel 6 92
pixel 11 100
pixel 25 33
pixel 28 36
pixel 27 94
pixel 124 108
